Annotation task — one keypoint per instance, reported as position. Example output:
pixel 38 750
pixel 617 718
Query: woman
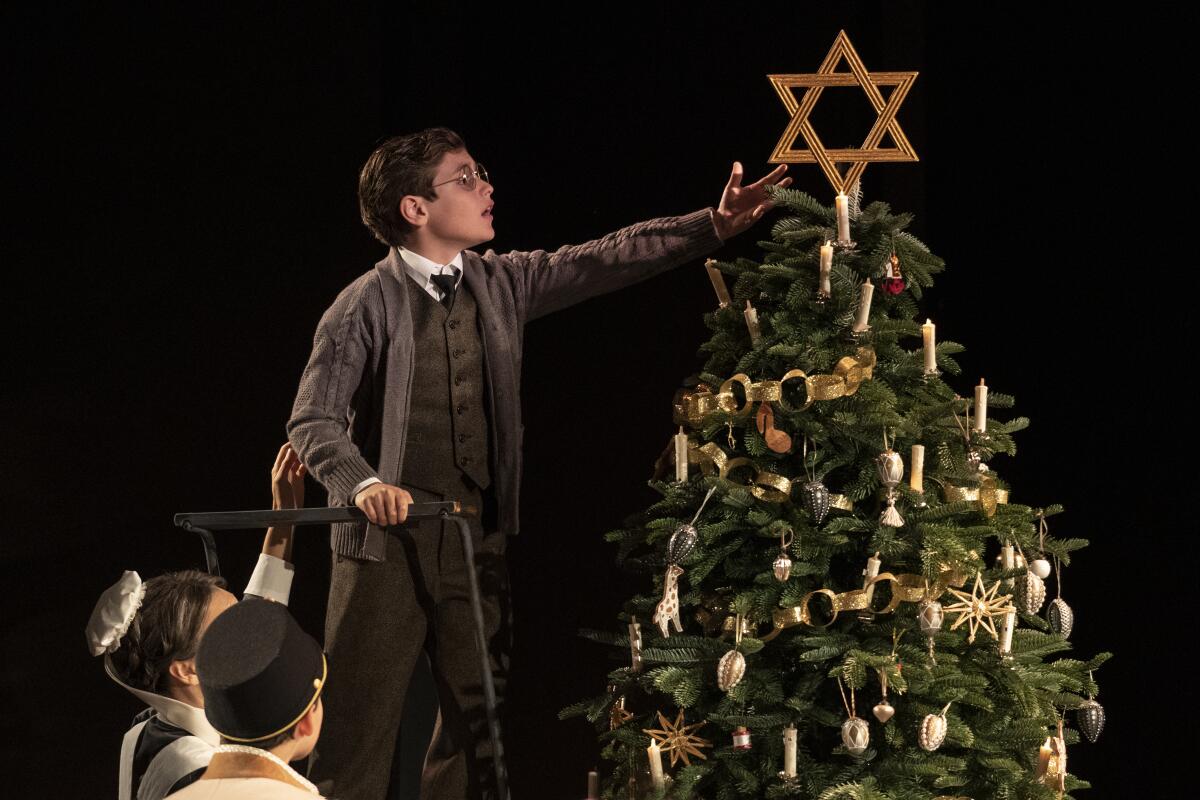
pixel 149 634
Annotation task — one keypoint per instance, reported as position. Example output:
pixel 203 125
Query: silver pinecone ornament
pixel 1061 617
pixel 815 496
pixel 682 543
pixel 1090 717
pixel 730 670
pixel 856 735
pixel 1030 593
pixel 932 731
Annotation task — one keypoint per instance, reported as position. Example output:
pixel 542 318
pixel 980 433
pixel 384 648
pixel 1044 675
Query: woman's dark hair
pixel 166 628
pixel 402 165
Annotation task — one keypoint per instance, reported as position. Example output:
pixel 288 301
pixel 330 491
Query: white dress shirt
pixel 421 270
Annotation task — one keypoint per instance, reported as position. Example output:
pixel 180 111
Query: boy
pixel 412 393
pixel 262 678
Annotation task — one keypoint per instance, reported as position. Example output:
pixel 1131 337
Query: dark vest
pixel 446 451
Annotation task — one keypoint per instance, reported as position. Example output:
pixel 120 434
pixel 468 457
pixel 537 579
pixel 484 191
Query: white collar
pixel 300 780
pixel 423 269
pixel 178 713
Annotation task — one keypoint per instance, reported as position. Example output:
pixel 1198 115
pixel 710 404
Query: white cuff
pixel 368 482
pixel 271 579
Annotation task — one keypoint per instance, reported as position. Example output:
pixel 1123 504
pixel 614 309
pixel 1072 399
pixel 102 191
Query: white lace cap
pixel 114 612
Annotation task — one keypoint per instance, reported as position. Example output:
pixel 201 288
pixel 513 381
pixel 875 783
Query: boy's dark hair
pixel 402 165
pixel 166 628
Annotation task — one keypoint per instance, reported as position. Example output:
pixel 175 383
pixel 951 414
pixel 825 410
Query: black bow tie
pixel 446 284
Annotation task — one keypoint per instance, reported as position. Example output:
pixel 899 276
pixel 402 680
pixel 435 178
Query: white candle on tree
pixel 928 334
pixel 718 281
pixel 654 754
pixel 593 786
pixel 1008 560
pixel 981 407
pixel 870 573
pixel 789 751
pixel 826 266
pixel 751 316
pixel 681 456
pixel 843 218
pixel 916 477
pixel 864 306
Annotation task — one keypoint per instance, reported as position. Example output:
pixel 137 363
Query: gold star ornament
pixel 979 607
pixel 885 120
pixel 679 739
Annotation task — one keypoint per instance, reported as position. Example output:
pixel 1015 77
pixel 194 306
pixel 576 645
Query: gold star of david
pixel 885 121
pixel 679 739
pixel 979 607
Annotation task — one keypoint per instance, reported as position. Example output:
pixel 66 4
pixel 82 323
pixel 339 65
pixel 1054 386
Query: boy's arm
pixel 318 428
pixel 575 273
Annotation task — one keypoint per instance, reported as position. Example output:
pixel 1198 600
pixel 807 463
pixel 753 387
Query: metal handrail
pixel 203 523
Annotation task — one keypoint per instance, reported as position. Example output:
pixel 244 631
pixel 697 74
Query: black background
pixel 181 208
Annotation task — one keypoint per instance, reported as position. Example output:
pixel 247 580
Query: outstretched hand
pixel 742 206
pixel 287 479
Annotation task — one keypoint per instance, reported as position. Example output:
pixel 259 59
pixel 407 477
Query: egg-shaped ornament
pixel 730 670
pixel 1090 717
pixel 682 543
pixel 782 567
pixel 1061 617
pixel 1030 593
pixel 1040 567
pixel 856 735
pixel 932 731
pixel 815 496
pixel 890 467
pixel 930 616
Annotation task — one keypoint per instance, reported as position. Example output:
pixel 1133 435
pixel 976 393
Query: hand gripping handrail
pixel 203 523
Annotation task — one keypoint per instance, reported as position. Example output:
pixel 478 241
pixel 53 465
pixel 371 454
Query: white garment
pixel 421 270
pixel 242 789
pixel 271 580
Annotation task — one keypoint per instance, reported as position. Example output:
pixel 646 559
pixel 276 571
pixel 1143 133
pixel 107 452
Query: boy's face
pixel 459 217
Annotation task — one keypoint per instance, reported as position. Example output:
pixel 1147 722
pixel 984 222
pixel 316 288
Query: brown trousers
pixel 381 615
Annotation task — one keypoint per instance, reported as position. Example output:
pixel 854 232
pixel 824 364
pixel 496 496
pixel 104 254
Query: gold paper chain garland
pixel 767 486
pixel 906 588
pixel 695 408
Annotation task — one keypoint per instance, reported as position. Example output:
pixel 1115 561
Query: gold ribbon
pixel 987 496
pixel 694 408
pixel 767 486
pixel 906 588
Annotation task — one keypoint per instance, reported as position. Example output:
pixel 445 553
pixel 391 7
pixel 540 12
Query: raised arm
pixel 571 274
pixel 272 576
pixel 287 491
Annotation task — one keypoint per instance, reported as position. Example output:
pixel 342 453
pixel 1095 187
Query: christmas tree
pixel 842 600
pixel 801 577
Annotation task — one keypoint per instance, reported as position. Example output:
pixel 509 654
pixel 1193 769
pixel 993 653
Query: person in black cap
pixel 262 678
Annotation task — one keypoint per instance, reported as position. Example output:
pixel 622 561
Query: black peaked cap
pixel 259 672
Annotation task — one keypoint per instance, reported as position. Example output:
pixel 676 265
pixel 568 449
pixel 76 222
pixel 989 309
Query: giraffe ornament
pixel 667 610
pixel 683 542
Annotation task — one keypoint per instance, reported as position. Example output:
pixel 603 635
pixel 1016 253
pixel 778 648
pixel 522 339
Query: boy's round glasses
pixel 467 178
